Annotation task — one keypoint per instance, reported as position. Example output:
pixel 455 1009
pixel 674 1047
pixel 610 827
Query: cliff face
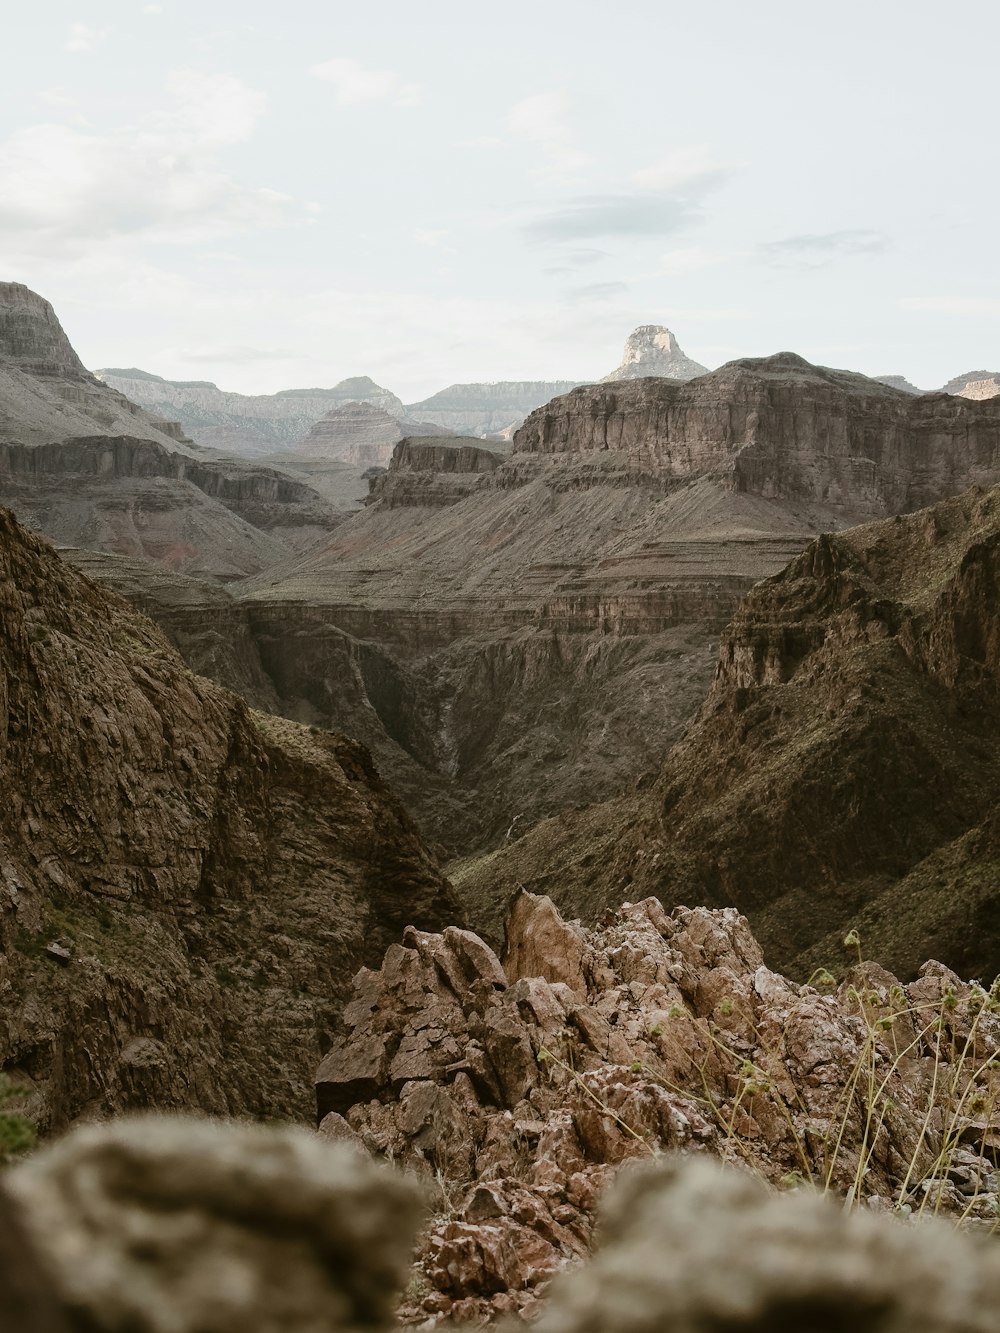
pixel 652 349
pixel 976 384
pixel 251 424
pixel 433 472
pixel 842 771
pixel 783 429
pixel 187 886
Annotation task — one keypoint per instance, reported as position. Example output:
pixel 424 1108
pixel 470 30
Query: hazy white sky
pixel 277 195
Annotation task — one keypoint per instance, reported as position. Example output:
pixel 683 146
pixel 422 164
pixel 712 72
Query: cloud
pixel 952 305
pixel 65 188
pixel 669 199
pixel 815 250
pixel 236 355
pixel 597 291
pixel 81 38
pixel 615 215
pixel 152 9
pixel 431 236
pixel 685 166
pixel 357 85
pixel 544 119
pixel 482 141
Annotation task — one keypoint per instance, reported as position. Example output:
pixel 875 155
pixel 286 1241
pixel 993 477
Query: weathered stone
pixel 686 1247
pixel 182 1226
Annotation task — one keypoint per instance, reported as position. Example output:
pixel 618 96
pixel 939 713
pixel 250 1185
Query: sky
pixel 275 196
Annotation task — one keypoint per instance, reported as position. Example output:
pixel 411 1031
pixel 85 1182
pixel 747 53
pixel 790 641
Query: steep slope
pixel 487 409
pixel 842 771
pixel 186 887
pixel 251 424
pixel 652 349
pixel 87 467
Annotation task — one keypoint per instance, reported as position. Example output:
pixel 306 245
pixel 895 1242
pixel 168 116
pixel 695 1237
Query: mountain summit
pixel 652 349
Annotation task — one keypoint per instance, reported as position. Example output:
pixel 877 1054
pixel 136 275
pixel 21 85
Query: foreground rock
pixel 523 1086
pixel 187 1226
pixel 186 886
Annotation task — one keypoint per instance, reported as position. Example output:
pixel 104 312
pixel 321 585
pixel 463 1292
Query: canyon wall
pixel 186 885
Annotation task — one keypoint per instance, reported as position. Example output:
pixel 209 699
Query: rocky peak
pixel 652 349
pixel 31 337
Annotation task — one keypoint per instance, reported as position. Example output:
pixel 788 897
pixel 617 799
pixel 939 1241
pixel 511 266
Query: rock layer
pixel 361 434
pixel 185 886
pixel 487 409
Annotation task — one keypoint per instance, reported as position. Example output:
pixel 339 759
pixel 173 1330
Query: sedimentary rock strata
pixel 487 409
pixel 361 434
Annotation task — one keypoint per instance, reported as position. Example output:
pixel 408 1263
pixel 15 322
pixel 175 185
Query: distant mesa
pixel 977 384
pixel 495 409
pixel 362 434
pixel 652 349
pixel 898 382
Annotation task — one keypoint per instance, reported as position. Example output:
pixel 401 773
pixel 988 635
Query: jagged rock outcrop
pixel 842 770
pixel 487 409
pixel 85 466
pixel 185 885
pixel 361 434
pixel 975 384
pixel 652 349
pixel 522 1086
pixel 252 424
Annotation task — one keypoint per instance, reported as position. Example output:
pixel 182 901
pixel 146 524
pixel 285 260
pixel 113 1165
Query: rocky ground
pixel 519 1088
